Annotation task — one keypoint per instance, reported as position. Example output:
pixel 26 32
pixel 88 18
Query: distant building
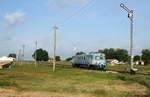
pixel 112 61
pixel 139 62
pixel 4 58
pixel 5 62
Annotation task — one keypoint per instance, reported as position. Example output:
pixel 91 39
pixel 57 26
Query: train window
pixel 81 58
pixel 99 57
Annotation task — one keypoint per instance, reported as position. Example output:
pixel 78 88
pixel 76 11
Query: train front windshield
pixel 99 57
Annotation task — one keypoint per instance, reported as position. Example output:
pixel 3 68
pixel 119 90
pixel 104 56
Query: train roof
pixel 96 53
pixel 91 53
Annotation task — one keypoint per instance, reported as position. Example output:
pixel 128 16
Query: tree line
pixel 38 55
pixel 111 53
pixel 42 55
pixel 122 55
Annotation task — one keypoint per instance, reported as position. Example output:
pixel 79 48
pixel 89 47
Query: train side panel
pixel 80 60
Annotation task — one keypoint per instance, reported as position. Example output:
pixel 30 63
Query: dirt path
pixel 14 93
pixel 134 88
pixel 120 87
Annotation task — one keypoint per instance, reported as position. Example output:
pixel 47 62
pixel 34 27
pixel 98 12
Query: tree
pixel 57 58
pixel 109 53
pixel 41 55
pixel 136 58
pixel 119 54
pixel 80 53
pixel 13 55
pixel 146 56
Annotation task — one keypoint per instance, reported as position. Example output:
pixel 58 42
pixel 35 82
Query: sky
pixel 83 25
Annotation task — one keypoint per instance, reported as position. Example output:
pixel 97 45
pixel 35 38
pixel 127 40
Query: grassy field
pixel 26 80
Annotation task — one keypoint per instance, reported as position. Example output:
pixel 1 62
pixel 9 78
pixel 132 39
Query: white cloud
pixel 14 18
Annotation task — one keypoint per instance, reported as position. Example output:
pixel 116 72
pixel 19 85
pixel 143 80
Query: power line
pixel 78 11
pixel 65 20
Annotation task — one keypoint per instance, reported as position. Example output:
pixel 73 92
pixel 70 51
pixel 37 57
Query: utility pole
pixel 35 53
pixel 19 56
pixel 19 53
pixel 131 17
pixel 55 36
pixel 23 46
pixel 74 49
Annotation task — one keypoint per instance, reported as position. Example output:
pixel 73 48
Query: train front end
pixel 98 60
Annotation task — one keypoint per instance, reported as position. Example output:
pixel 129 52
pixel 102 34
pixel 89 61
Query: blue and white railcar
pixel 92 60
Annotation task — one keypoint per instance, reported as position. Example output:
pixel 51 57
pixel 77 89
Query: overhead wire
pixel 83 8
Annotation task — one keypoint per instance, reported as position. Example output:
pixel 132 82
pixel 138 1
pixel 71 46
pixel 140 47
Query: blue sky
pixel 84 25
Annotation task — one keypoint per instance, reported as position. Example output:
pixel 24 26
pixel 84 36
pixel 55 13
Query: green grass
pixel 27 77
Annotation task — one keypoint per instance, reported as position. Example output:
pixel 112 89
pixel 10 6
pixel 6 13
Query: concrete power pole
pixel 23 47
pixel 19 53
pixel 130 16
pixel 35 53
pixel 55 36
pixel 19 56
